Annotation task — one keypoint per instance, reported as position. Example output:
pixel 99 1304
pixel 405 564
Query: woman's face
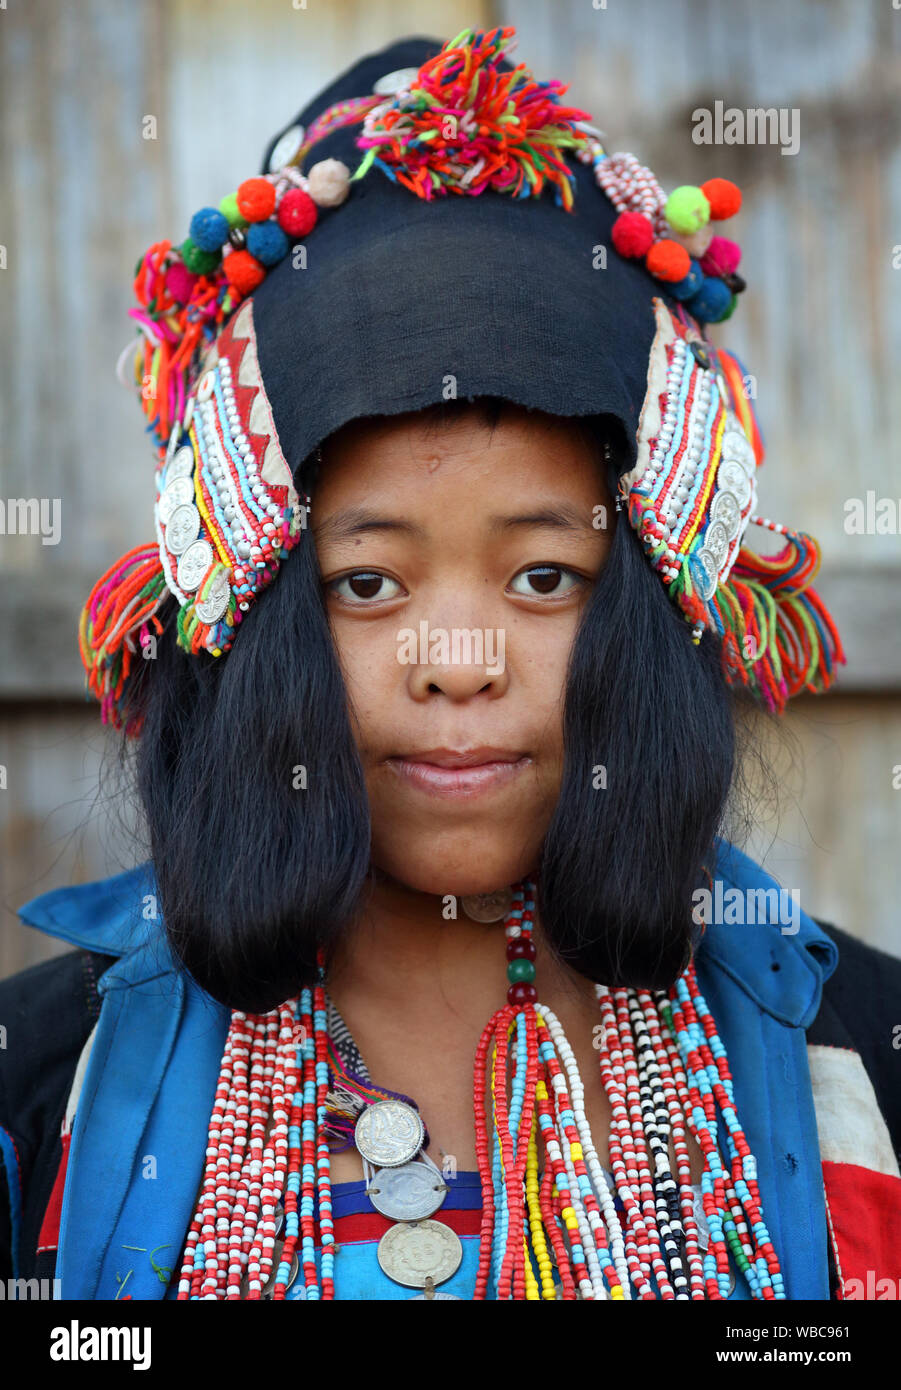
pixel 456 560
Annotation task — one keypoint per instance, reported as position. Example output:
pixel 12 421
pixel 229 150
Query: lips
pixel 469 757
pixel 460 773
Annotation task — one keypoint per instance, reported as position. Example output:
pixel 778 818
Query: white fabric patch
pixel 849 1122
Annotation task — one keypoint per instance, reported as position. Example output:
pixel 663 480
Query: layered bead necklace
pixel 665 1072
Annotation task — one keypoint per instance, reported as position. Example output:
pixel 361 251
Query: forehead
pixel 478 444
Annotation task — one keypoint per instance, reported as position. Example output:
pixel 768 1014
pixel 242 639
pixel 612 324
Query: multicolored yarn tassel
pixel 179 313
pixel 778 637
pixel 347 1097
pixel 123 602
pixel 464 126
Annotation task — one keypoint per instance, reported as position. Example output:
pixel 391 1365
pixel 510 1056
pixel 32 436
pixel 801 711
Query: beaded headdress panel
pixel 462 127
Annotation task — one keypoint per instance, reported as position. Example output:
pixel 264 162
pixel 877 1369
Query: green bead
pixel 230 210
pixel 197 261
pixel 521 971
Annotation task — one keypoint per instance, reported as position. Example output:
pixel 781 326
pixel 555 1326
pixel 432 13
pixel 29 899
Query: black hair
pixel 256 871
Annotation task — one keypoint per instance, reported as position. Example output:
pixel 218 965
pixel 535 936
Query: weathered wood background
pixel 84 192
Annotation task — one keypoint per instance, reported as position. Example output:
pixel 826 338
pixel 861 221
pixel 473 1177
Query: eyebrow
pixel 359 520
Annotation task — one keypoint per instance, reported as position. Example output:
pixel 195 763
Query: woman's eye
pixel 545 580
pixel 363 585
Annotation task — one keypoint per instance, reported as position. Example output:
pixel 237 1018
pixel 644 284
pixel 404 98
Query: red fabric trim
pixel 359 1227
pixel 865 1207
pixel 49 1237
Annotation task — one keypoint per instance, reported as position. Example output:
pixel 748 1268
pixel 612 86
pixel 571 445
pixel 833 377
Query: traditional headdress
pixel 263 330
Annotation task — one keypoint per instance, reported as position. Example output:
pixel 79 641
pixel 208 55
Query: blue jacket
pixel 137 1148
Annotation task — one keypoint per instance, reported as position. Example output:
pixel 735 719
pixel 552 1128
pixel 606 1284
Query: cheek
pixel 368 669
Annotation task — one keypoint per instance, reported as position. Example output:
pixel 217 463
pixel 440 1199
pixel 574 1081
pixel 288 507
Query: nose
pixel 457 662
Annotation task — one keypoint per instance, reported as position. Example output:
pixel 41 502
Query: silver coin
pixel 435 1294
pixel 206 385
pixel 182 528
pixel 716 540
pixel 174 436
pixel 286 148
pixel 175 494
pixel 725 508
pixel 701 1219
pixel 389 1133
pixel 181 465
pixel 394 81
pixel 412 1253
pixel 736 446
pixel 409 1193
pixel 488 907
pixel 193 564
pixel 189 412
pixel 731 477
pixel 210 609
pixel 704 570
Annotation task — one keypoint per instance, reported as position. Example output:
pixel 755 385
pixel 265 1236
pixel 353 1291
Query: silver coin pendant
pixel 389 1133
pixel 488 907
pixel 182 528
pixel 413 1253
pixel 409 1193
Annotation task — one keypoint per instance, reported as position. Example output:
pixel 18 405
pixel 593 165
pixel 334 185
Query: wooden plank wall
pixel 84 193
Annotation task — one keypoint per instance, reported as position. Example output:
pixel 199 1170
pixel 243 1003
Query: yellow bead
pixel 576 1151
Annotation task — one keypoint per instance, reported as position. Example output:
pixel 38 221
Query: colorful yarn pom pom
pixel 632 234
pixel 687 209
pixel 465 126
pixel 668 260
pixel 297 213
pixel 256 199
pixel 723 197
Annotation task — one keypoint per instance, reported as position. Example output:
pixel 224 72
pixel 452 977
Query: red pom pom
pixel 667 260
pixel 243 271
pixel 180 282
pixel 724 198
pixel 297 213
pixel 721 257
pixel 632 234
pixel 256 199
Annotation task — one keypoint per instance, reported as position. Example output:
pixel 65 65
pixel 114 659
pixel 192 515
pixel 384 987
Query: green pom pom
pixel 198 262
pixel 230 210
pixel 687 209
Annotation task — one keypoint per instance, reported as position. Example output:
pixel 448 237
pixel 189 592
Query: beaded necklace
pixel 665 1072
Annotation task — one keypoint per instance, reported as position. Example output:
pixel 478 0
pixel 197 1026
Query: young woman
pixel 440 980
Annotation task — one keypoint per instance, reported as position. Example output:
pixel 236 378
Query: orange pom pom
pixel 243 272
pixel 724 198
pixel 256 199
pixel 667 260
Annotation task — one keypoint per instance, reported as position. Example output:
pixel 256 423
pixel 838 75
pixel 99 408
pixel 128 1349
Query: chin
pixel 462 868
